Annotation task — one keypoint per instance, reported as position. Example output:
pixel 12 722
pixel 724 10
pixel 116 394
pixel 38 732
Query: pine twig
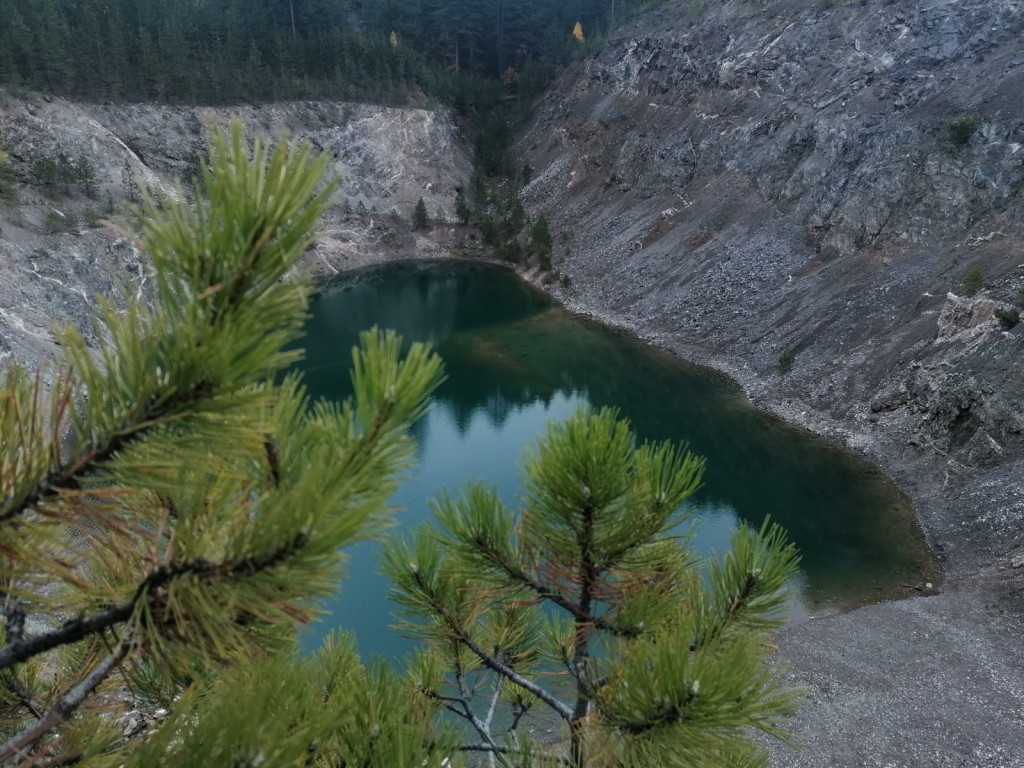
pixel 482 728
pixel 23 697
pixel 165 405
pixel 495 665
pixel 497 749
pixel 78 628
pixel 545 592
pixel 494 702
pixel 490 715
pixel 67 705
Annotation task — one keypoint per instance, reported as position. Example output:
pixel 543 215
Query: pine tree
pixel 420 218
pixel 66 170
pixel 85 175
pixel 172 506
pixel 462 209
pixel 129 186
pixel 662 660
pixel 46 173
pixel 183 50
pixel 52 52
pixel 255 76
pixel 8 68
pixel 540 236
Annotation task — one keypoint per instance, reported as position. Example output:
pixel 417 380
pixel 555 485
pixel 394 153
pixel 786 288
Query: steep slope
pixel 736 181
pixel 731 180
pixel 755 183
pixel 385 159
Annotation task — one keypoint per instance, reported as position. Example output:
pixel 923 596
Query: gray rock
pixel 823 208
pixel 384 159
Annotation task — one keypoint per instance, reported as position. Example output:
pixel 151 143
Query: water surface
pixel 515 360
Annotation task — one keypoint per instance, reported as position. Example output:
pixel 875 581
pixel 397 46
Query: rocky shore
pixel 787 179
pixel 768 179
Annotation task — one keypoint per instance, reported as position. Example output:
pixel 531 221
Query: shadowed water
pixel 515 360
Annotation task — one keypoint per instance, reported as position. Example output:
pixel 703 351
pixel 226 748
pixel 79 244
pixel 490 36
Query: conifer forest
pixel 471 53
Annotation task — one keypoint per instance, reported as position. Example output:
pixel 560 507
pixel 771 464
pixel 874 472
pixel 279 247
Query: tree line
pixel 471 53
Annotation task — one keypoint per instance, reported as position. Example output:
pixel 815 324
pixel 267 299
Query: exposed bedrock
pixel 384 159
pixel 738 180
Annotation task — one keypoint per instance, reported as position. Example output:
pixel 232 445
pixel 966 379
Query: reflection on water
pixel 515 361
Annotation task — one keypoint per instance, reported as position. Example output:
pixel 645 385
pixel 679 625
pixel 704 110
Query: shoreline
pixel 934 574
pixel 753 388
pixel 889 683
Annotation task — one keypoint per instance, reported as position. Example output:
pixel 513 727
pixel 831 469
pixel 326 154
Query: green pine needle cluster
pixel 171 506
pixel 588 604
pixel 324 710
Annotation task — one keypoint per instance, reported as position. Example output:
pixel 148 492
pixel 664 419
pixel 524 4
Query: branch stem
pixel 67 705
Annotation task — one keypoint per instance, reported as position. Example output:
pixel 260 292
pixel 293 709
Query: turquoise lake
pixel 515 360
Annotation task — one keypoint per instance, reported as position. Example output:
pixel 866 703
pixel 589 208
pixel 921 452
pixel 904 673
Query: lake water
pixel 515 360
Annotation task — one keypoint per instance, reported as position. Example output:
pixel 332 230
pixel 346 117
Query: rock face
pixel 386 159
pixel 737 180
pixel 732 180
pixel 812 177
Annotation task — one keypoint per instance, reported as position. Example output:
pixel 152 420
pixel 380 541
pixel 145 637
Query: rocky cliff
pixel 744 183
pixel 741 182
pixel 837 186
pixel 56 254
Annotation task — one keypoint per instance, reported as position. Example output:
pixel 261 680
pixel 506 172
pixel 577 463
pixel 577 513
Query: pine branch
pixel 482 728
pixel 503 750
pixel 494 702
pixel 431 694
pixel 491 662
pixel 61 761
pixel 543 591
pixel 669 714
pixel 461 706
pixel 14 620
pixel 162 407
pixel 240 282
pixel 273 460
pixel 67 705
pixel 749 583
pixel 486 748
pixel 83 626
pixel 70 632
pixel 583 629
pixel 493 757
pixel 495 665
pixel 570 668
pixel 518 713
pixel 20 694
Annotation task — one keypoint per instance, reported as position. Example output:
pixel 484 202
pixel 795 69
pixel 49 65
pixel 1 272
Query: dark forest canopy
pixel 470 53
